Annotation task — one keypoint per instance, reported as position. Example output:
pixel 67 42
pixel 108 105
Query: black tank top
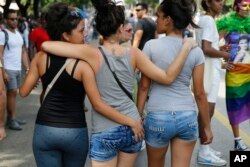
pixel 64 104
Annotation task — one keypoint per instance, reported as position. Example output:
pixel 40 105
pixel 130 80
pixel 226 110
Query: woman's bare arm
pixel 31 77
pixel 84 52
pixel 155 73
pixel 211 52
pixel 101 107
pixel 201 100
pixel 142 93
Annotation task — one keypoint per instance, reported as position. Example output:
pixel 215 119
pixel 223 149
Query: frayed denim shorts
pixel 161 127
pixel 105 145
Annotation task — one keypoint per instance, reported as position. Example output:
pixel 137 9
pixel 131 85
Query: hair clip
pixel 78 13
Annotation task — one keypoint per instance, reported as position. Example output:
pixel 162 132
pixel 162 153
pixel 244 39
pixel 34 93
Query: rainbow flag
pixel 238 93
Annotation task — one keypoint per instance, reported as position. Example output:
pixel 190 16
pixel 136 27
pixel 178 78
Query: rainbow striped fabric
pixel 238 93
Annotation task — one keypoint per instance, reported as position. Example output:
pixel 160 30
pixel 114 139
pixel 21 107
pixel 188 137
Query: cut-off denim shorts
pixel 161 127
pixel 105 145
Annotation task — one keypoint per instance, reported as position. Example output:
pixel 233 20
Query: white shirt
pixel 12 57
pixel 208 31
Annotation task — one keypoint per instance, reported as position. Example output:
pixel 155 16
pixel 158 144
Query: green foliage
pixel 229 2
pixel 78 3
pixel 151 3
pixel 130 2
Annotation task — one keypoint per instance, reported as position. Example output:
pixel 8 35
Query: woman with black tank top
pixel 60 134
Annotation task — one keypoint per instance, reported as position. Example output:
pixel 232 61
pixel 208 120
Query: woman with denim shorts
pixel 115 139
pixel 171 118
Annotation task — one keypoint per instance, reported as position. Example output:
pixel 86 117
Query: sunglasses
pixel 129 30
pixel 13 19
pixel 138 10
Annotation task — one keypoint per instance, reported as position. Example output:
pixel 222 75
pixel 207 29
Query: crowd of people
pixel 237 102
pixel 178 112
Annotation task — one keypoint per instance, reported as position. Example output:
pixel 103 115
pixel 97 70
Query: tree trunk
pixel 36 8
pixel 23 8
pixel 6 6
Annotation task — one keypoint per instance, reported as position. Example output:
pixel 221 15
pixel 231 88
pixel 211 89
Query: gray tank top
pixel 110 91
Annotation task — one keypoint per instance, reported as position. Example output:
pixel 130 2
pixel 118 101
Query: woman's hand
pixel 206 135
pixel 138 130
pixel 225 48
pixel 190 42
pixel 228 66
pixel 6 78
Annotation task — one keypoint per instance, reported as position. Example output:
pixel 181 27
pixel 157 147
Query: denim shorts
pixel 161 127
pixel 14 79
pixel 105 145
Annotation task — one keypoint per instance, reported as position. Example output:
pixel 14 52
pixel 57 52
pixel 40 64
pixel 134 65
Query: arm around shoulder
pixel 84 52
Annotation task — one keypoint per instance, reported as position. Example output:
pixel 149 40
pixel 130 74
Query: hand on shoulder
pixel 189 42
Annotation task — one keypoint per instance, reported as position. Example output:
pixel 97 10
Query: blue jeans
pixel 56 147
pixel 161 127
pixel 105 145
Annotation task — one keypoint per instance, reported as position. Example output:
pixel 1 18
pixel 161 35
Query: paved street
pixel 16 150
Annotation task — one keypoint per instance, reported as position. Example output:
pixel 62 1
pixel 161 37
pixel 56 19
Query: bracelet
pixel 141 115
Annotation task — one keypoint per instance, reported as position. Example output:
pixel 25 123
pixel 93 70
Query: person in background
pixel 171 119
pixel 126 36
pixel 2 104
pixel 37 36
pixel 12 54
pixel 23 28
pixel 208 39
pixel 145 29
pixel 145 26
pixel 127 33
pixel 234 26
pixel 132 19
pixel 123 60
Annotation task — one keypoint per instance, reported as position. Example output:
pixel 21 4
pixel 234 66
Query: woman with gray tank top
pixel 171 118
pixel 115 141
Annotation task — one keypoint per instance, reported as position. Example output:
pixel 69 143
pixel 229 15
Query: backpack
pixel 21 26
pixel 6 39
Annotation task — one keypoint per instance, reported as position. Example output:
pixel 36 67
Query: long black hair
pixel 61 18
pixel 181 12
pixel 109 17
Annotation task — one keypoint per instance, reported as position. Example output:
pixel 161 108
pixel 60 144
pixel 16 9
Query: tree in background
pixel 34 6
